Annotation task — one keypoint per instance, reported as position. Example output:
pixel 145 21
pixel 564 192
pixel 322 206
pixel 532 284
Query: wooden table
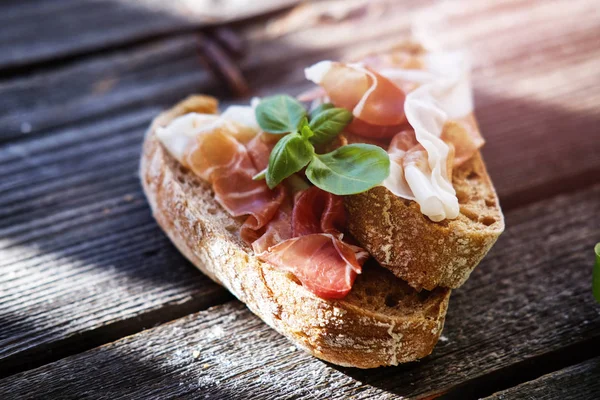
pixel 96 303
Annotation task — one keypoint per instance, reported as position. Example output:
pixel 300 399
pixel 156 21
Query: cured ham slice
pixel 276 231
pixel 316 211
pixel 316 93
pixel 464 135
pixel 240 195
pixel 324 264
pixel 372 98
pixel 396 182
pixel 410 172
pixel 362 128
pixel 315 252
pixel 221 160
pixel 303 238
pixel 405 70
pixel 260 148
pixel 214 153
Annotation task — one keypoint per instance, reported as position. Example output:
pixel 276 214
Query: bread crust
pixel 424 253
pixel 429 254
pixel 381 322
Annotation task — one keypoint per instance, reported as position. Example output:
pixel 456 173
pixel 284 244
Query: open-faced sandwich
pixel 342 217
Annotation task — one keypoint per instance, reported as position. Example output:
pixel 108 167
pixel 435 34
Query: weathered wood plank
pixel 38 31
pixel 70 201
pixel 529 298
pixel 159 73
pixel 82 261
pixel 153 74
pixel 581 381
pixel 523 101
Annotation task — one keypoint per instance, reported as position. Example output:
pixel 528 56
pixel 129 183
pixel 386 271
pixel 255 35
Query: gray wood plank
pixel 530 297
pixel 38 31
pixel 70 200
pixel 82 261
pixel 522 102
pixel 158 73
pixel 581 381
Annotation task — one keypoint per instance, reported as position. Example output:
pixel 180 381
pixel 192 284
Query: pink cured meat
pixel 324 264
pixel 224 162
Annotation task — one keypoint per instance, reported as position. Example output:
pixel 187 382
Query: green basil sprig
pixel 596 274
pixel 319 109
pixel 327 124
pixel 280 114
pixel 291 153
pixel 350 169
pixel 347 170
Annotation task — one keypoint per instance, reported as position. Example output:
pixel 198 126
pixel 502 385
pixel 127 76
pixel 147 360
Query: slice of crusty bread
pixel 382 321
pixel 429 254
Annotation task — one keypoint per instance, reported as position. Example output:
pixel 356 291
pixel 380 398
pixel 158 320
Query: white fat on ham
pixel 444 93
pixel 316 72
pixel 361 104
pixel 180 133
pixel 243 115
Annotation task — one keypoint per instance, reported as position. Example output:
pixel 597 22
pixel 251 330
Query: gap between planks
pixel 577 382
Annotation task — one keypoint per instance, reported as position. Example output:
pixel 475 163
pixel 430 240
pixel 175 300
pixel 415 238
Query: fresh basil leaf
pixel 320 109
pixel 289 156
pixel 279 114
pixel 328 124
pixel 350 169
pixel 596 274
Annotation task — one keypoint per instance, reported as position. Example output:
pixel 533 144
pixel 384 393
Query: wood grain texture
pixel 158 73
pixel 81 260
pixel 581 381
pixel 535 70
pixel 38 30
pixel 499 318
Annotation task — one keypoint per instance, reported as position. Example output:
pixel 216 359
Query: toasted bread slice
pixel 383 321
pixel 429 254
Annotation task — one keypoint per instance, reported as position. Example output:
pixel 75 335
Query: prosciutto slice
pixel 317 211
pixel 224 162
pixel 276 231
pixel 372 98
pixel 314 252
pixel 362 128
pixel 260 148
pixel 301 234
pixel 324 264
pixel 464 135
